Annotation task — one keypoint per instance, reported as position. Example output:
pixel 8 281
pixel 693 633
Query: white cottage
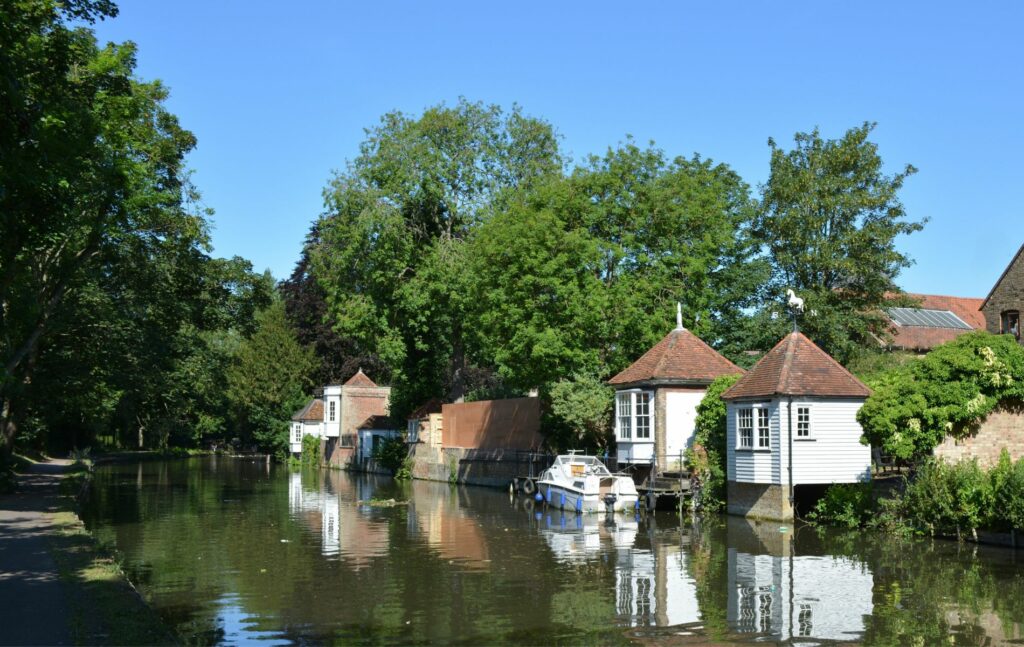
pixel 791 424
pixel 656 399
pixel 307 421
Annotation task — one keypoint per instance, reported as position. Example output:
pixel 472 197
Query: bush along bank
pixel 941 500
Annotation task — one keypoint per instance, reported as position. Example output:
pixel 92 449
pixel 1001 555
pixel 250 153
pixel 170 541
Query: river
pixel 230 551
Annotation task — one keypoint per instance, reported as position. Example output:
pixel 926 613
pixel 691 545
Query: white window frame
pixel 627 418
pixel 760 438
pixel 810 421
pixel 297 432
pixel 331 411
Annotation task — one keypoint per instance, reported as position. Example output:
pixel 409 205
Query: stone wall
pixel 1003 428
pixel 1008 294
pixel 493 468
pixel 759 501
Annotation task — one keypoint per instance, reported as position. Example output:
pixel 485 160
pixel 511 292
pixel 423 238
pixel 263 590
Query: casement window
pixel 764 430
pixel 745 426
pixel 751 426
pixel 348 440
pixel 330 409
pixel 803 422
pixel 1009 323
pixel 298 433
pixel 633 415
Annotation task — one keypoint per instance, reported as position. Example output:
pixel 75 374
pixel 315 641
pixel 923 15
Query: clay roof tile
pixel 796 366
pixel 680 356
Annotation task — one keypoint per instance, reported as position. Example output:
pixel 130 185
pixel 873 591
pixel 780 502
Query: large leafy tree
pixel 91 167
pixel 389 251
pixel 829 219
pixel 581 274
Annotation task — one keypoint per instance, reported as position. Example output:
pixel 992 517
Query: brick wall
pixel 759 501
pixel 1003 428
pixel 360 402
pixel 492 424
pixel 1007 295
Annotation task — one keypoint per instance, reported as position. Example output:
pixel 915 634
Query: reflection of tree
pixel 709 568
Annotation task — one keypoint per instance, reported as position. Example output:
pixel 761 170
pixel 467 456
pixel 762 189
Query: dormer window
pixel 1009 323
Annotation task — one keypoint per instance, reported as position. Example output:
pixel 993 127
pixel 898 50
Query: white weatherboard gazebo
pixel 656 398
pixel 791 421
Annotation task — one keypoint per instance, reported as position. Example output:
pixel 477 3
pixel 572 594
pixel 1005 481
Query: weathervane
pixel 796 306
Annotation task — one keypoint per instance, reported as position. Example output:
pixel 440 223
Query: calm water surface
pixel 232 552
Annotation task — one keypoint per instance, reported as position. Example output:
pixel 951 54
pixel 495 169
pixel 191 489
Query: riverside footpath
pixel 33 599
pixel 56 587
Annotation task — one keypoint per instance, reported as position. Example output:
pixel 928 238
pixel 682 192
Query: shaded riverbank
pixel 57 585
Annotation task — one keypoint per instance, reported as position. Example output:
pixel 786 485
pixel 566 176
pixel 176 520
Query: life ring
pixel 529 487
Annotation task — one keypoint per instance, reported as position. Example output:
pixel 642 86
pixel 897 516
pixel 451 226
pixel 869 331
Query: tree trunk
pixel 458 369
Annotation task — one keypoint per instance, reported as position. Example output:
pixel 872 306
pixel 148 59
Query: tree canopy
pixel 830 219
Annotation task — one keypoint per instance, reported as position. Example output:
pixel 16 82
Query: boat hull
pixel 571 499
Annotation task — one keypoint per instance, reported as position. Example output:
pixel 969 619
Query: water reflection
pixel 229 554
pixel 778 593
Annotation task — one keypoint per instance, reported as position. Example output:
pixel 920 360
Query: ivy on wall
pixel 948 392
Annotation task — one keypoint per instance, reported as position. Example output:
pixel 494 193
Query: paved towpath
pixel 33 600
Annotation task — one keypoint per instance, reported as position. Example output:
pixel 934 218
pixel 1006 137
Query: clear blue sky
pixel 279 93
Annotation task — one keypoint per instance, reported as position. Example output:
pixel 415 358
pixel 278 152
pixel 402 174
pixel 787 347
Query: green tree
pixel 389 252
pixel 580 414
pixel 829 219
pixel 91 169
pixel 270 380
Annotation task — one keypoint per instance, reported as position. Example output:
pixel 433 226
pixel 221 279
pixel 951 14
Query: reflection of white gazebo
pixel 654 588
pixel 792 597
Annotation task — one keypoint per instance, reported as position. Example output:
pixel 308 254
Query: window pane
pixel 745 425
pixel 625 415
pixel 764 430
pixel 803 422
pixel 643 415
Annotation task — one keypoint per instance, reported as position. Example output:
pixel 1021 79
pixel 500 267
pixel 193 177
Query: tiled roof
pixel 967 308
pixel 377 422
pixel 680 357
pixel 797 367
pixel 314 411
pixel 360 379
pixel 928 337
pixel 432 405
pixel 921 338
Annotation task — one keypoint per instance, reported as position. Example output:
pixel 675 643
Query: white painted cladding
pixel 332 399
pixel 680 416
pixel 831 454
pixel 635 452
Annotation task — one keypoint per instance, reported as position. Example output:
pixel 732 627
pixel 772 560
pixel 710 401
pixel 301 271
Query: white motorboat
pixel 584 484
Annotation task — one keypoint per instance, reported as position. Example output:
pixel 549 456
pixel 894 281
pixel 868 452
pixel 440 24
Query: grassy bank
pixel 104 607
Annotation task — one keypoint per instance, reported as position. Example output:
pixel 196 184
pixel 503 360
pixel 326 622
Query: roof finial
pixel 679 316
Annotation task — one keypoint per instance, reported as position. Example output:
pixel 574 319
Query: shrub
pixel 945 393
pixel 391 453
pixel 1008 492
pixel 845 504
pixel 706 459
pixel 949 499
pixel 310 450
